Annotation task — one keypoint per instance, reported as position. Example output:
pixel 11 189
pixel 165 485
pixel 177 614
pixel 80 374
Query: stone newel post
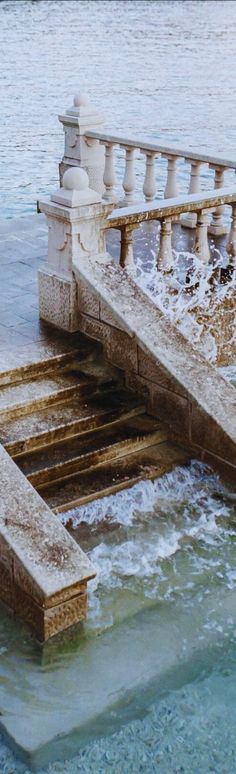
pixel 79 150
pixel 76 221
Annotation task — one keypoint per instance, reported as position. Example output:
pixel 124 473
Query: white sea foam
pixel 204 296
pixel 151 524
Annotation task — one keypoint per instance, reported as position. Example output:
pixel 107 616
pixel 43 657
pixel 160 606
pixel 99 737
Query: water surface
pixel 159 67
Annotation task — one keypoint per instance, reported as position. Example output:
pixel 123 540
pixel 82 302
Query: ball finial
pixel 75 179
pixel 80 100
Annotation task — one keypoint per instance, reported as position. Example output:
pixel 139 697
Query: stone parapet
pixel 43 572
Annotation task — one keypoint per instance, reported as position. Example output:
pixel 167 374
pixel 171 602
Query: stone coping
pixel 166 150
pixel 168 207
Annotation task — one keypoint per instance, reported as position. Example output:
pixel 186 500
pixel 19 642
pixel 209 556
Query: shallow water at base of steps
pixel 161 617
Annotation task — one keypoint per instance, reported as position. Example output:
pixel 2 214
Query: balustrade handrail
pixel 168 208
pixel 166 150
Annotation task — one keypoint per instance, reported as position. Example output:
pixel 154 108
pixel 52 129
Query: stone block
pixel 58 301
pixel 24 581
pixel 226 471
pixel 93 328
pixel 109 318
pixel 48 622
pixel 66 595
pixel 88 302
pixel 206 433
pixel 150 369
pixel 6 556
pixel 60 617
pixel 172 409
pixel 139 385
pixel 121 349
pixel 6 584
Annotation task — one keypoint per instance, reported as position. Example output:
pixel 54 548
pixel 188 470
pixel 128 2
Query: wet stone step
pixel 113 476
pixel 63 459
pixel 54 356
pixel 67 418
pixel 46 389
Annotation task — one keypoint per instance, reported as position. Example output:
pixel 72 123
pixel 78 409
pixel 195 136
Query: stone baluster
pixel 165 255
pixel 149 186
pixel 201 247
pixel 126 250
pixel 231 244
pixel 109 177
pixel 190 219
pixel 129 181
pixel 217 227
pixel 171 189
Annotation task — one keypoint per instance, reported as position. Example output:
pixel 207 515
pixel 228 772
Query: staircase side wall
pixel 166 396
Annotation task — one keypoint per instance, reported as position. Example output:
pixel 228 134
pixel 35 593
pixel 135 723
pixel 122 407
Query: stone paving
pixel 23 337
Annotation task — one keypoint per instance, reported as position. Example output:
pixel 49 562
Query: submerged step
pixel 63 419
pixel 104 680
pixel 108 477
pixel 65 458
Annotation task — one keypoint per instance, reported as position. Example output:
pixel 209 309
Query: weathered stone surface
pixel 150 369
pixel 140 385
pixel 107 317
pixel 121 349
pixel 87 301
pixel 206 433
pixel 58 301
pixel 93 328
pixel 48 622
pixel 173 409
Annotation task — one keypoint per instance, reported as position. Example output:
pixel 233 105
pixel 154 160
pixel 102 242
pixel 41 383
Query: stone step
pixel 67 418
pixel 111 476
pixel 19 398
pixel 30 368
pixel 61 460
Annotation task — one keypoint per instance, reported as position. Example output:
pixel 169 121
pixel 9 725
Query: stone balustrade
pixel 78 220
pixel 87 145
pixel 172 155
pixel 127 220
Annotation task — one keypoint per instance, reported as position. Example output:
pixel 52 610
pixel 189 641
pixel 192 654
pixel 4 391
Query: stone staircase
pixel 76 433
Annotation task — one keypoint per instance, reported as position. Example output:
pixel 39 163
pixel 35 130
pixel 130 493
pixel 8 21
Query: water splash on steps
pixel 162 540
